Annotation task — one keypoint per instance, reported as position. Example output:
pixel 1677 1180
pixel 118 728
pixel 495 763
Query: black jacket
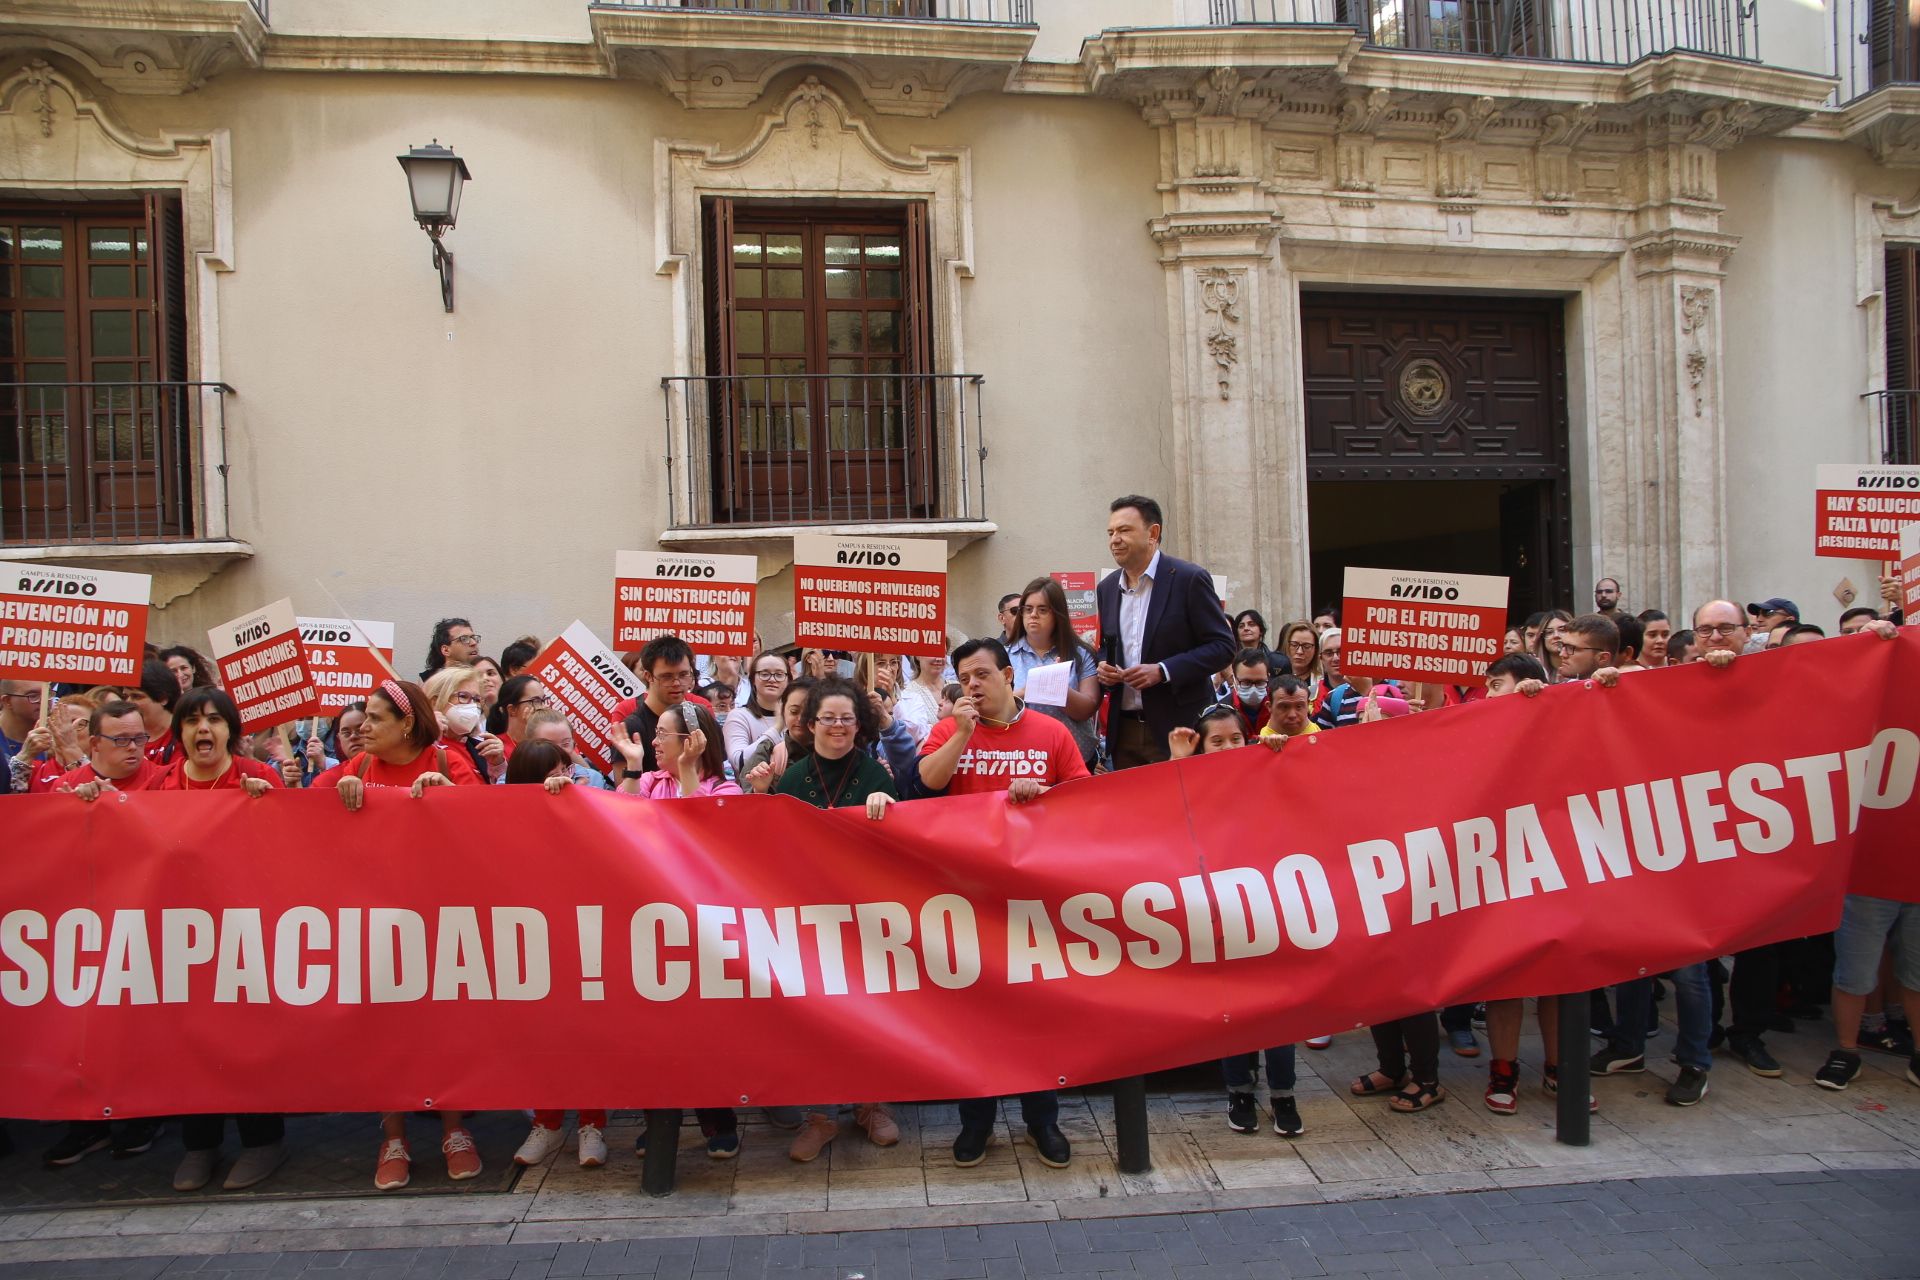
pixel 1186 629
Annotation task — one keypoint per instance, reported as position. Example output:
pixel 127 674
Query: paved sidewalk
pixel 1754 1227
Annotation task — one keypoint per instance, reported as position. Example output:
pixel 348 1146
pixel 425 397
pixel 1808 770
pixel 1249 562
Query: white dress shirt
pixel 1134 603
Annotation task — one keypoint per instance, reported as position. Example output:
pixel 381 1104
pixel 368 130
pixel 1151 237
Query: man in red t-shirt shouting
pixel 991 743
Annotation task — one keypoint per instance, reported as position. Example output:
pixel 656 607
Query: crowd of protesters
pixel 1173 676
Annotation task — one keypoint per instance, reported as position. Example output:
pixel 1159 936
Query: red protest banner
pixel 339 660
pixel 870 595
pixel 88 626
pixel 1140 921
pixel 586 681
pixel 1082 609
pixel 707 601
pixel 1438 627
pixel 264 667
pixel 1908 567
pixel 1859 510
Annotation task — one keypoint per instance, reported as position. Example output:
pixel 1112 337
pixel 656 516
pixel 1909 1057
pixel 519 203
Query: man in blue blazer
pixel 1163 636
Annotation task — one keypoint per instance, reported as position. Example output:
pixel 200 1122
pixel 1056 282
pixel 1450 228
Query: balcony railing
pixel 1606 32
pixel 103 462
pixel 839 449
pixel 1007 12
pixel 1896 425
pixel 260 7
pixel 1874 44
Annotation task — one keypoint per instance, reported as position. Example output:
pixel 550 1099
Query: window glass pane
pixel 751 369
pixel 749 333
pixel 746 248
pixel 109 282
pixel 112 333
pixel 43 243
pixel 883 284
pixel 6 281
pixel 784 284
pixel 140 243
pixel 110 242
pixel 883 251
pixel 140 282
pixel 786 331
pixel 146 332
pixel 43 282
pixel 843 282
pixel 791 367
pixel 46 332
pixel 6 244
pixel 843 250
pixel 783 251
pixel 112 371
pixel 843 331
pixel 746 282
pixel 8 346
pixel 883 331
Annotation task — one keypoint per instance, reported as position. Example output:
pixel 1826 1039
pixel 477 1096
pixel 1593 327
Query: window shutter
pixel 1903 353
pixel 721 399
pixel 924 395
pixel 172 405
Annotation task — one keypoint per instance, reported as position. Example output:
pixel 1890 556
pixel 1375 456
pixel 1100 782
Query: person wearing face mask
pixel 456 698
pixel 520 697
pixel 1248 692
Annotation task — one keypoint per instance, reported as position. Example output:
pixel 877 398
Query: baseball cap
pixel 1776 604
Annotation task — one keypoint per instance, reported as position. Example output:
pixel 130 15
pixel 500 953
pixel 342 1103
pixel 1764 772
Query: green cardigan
pixel 816 781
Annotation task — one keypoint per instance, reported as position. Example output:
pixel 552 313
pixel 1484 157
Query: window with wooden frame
pixel 819 342
pixel 1898 405
pixel 1891 25
pixel 93 352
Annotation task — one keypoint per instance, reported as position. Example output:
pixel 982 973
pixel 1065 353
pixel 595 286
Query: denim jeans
pixel 1039 1108
pixel 1692 1009
pixel 1238 1070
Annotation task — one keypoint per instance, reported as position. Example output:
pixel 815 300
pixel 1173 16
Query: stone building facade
pixel 1551 288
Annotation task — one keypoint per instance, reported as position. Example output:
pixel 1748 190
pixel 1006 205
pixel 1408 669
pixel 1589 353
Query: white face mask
pixel 463 718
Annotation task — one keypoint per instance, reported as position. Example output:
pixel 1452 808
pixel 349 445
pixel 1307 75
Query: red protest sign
pixel 88 626
pixel 1860 510
pixel 870 595
pixel 1908 567
pixel 705 600
pixel 1439 627
pixel 586 681
pixel 342 667
pixel 1082 609
pixel 263 666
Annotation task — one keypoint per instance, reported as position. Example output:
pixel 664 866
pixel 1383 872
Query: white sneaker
pixel 541 1143
pixel 593 1147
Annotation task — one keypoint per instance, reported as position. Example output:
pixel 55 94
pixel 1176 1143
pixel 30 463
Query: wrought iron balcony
pixel 819 449
pixel 1606 32
pixel 104 462
pixel 1010 12
pixel 1874 45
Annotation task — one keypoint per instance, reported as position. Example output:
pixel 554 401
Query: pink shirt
pixel 661 785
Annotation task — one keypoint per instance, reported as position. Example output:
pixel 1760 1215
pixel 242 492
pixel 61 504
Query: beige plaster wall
pixel 1795 347
pixel 489 462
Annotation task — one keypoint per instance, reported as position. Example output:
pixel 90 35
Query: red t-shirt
pixel 381 774
pixel 140 779
pixel 1033 746
pixel 174 776
pixel 157 747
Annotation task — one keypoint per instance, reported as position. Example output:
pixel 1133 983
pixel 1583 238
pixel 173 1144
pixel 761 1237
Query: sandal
pixel 1414 1097
pixel 1364 1086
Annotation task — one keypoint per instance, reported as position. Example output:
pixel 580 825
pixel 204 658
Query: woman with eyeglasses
pixel 1047 637
pixel 520 697
pixel 456 698
pixel 688 757
pixel 1222 728
pixel 757 711
pixel 840 722
pixel 1299 653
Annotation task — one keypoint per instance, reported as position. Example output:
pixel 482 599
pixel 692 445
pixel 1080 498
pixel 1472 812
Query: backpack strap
pixel 440 758
pixel 366 763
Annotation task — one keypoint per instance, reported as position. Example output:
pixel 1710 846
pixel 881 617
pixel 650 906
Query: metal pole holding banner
pixel 1130 1124
pixel 663 1152
pixel 1573 1123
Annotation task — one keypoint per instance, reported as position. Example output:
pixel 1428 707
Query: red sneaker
pixel 1503 1084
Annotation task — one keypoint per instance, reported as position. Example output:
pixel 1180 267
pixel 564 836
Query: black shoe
pixel 1055 1151
pixel 135 1138
pixel 82 1139
pixel 1838 1071
pixel 1689 1088
pixel 1780 1022
pixel 970 1148
pixel 1716 1038
pixel 1913 1071
pixel 1286 1118
pixel 1242 1115
pixel 640 1144
pixel 1895 1038
pixel 1608 1062
pixel 1755 1055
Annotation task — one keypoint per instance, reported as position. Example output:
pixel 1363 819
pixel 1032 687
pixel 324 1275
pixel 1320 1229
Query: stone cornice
pixel 138 46
pixel 450 54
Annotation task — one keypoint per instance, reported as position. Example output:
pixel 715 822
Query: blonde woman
pixel 1299 651
pixel 459 700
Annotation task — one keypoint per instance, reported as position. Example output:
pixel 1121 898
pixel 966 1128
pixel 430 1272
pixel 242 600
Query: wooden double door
pixel 1437 439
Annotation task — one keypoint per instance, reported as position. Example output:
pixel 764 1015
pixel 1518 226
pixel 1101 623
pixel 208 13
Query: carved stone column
pixel 1215 237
